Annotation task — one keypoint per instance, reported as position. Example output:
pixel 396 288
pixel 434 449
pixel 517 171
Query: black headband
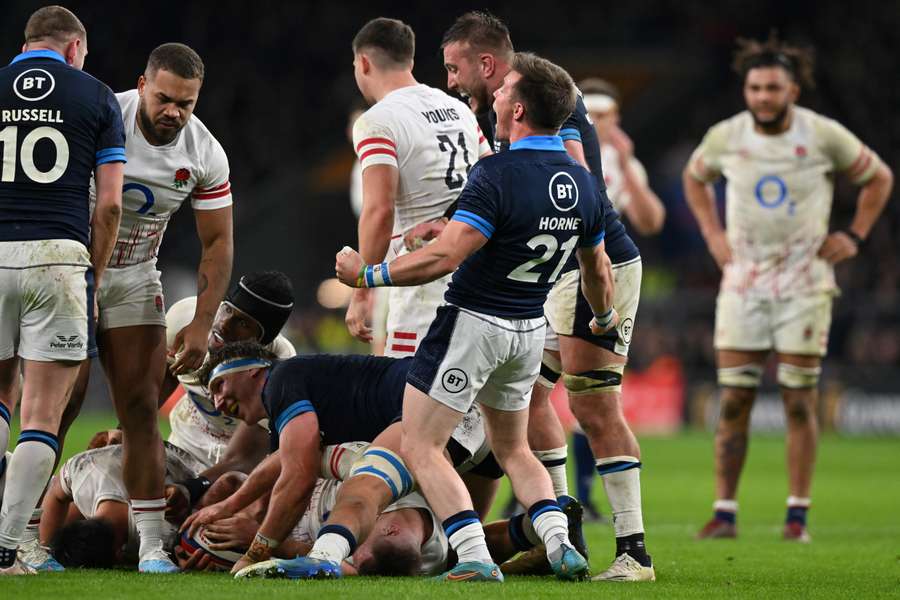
pixel 270 315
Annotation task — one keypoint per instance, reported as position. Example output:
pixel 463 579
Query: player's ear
pixel 488 64
pixel 794 92
pixel 518 111
pixel 365 63
pixel 71 51
pixel 141 82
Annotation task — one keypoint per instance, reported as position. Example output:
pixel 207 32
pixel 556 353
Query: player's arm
pixel 645 211
pixel 701 198
pixel 214 228
pixel 575 149
pixel 457 242
pixel 597 285
pixel 108 178
pixel 55 506
pixel 300 455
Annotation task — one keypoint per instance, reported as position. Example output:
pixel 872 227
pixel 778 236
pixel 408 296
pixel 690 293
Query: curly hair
pixel 798 61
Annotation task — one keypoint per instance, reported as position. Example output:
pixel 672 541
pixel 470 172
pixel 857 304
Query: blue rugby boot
pixel 569 565
pixel 301 567
pixel 473 571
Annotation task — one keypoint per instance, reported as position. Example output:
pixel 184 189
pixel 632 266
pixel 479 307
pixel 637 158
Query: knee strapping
pixel 551 369
pixel 387 466
pixel 741 376
pixel 607 378
pixel 794 377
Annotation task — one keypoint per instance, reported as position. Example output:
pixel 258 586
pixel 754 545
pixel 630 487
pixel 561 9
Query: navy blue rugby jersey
pixel 578 127
pixel 56 125
pixel 354 397
pixel 535 205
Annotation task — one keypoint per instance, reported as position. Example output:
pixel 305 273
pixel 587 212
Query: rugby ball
pixel 200 543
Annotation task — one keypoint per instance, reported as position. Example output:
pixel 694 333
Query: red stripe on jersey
pixel 861 164
pixel 402 348
pixel 212 189
pixel 376 140
pixel 482 139
pixel 405 335
pixel 368 153
pixel 212 195
pixel 335 461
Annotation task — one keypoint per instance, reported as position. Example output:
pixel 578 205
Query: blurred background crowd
pixel 279 89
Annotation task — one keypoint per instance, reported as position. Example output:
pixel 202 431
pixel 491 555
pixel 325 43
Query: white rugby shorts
pixel 410 313
pixel 130 296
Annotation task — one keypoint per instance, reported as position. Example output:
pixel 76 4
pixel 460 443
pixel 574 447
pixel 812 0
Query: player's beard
pixel 154 135
pixel 776 123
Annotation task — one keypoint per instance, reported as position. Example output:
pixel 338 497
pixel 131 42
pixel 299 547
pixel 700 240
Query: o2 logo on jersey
pixel 454 380
pixel 563 192
pixel 771 191
pixel 34 84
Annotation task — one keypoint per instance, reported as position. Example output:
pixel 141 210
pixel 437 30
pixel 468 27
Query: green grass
pixel 854 523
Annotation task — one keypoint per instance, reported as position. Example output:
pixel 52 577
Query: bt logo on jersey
pixel 563 191
pixel 33 85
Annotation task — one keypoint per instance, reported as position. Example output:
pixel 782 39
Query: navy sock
pixel 726 515
pixel 796 514
pixel 633 545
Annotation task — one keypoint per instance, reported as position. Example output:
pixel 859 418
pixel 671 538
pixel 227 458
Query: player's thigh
pixel 131 296
pixel 10 311
pixel 802 325
pixel 427 424
pixel 743 323
pixel 134 359
pixel 511 382
pixel 411 310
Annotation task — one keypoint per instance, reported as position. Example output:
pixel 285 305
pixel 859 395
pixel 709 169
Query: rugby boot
pixel 17 568
pixel 38 557
pixel 626 568
pixel 530 562
pixel 796 532
pixel 717 528
pixel 473 571
pixel 301 567
pixel 570 566
pixel 157 562
pixel 575 515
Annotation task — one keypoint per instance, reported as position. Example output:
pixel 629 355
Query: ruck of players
pixel 492 265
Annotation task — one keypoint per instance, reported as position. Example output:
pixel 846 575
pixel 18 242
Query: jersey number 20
pixel 9 136
pixel 525 272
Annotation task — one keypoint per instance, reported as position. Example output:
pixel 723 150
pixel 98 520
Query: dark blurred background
pixel 279 87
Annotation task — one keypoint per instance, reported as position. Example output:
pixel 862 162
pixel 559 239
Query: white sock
pixel 551 525
pixel 32 530
pixel 622 481
pixel 331 547
pixel 469 543
pixel 27 473
pixel 4 433
pixel 554 460
pixel 149 520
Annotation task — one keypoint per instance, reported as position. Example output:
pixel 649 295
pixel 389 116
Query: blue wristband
pixel 605 319
pixel 376 276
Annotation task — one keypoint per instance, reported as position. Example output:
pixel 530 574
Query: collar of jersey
pixel 539 142
pixel 51 54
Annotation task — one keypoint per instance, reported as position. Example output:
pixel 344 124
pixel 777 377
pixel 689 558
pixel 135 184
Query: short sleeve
pixel 484 147
pixel 65 477
pixel 705 164
pixel 594 221
pixel 478 203
pixel 285 396
pixel 847 153
pixel 374 141
pixel 569 131
pixel 110 145
pixel 213 189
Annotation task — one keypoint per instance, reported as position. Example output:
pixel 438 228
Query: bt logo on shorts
pixel 64 342
pixel 454 380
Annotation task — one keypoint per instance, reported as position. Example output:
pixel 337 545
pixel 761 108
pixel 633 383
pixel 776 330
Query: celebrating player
pixel 777 258
pixel 52 251
pixel 416 146
pixel 173 156
pixel 477 51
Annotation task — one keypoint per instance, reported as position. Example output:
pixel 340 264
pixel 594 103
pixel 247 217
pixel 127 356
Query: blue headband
pixel 236 365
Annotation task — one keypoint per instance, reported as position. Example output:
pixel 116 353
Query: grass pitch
pixel 854 522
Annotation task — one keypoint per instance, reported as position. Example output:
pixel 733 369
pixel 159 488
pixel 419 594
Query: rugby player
pixel 311 402
pixel 777 258
pixel 57 126
pixel 173 157
pixel 485 342
pixel 415 146
pixel 477 53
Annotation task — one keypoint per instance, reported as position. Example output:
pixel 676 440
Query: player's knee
pixel 386 466
pixel 742 377
pixel 551 370
pixel 223 487
pixel 798 410
pixel 736 403
pixel 605 380
pixel 795 377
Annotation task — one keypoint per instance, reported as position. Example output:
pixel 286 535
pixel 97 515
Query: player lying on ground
pixel 311 401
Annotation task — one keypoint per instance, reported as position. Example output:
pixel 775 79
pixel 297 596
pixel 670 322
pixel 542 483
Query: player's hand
pixel 720 249
pixel 178 503
pixel 240 564
pixel 205 516
pixel 231 533
pixel 347 265
pixel 198 561
pixel 190 348
pixel 838 246
pixel 423 233
pixel 596 329
pixel 619 140
pixel 359 315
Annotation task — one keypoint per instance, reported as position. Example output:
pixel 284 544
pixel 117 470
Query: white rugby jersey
pixel 432 139
pixel 323 499
pixel 778 198
pixel 159 178
pixel 615 180
pixel 195 422
pixel 95 476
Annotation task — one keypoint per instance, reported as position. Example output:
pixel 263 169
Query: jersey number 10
pixel 8 138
